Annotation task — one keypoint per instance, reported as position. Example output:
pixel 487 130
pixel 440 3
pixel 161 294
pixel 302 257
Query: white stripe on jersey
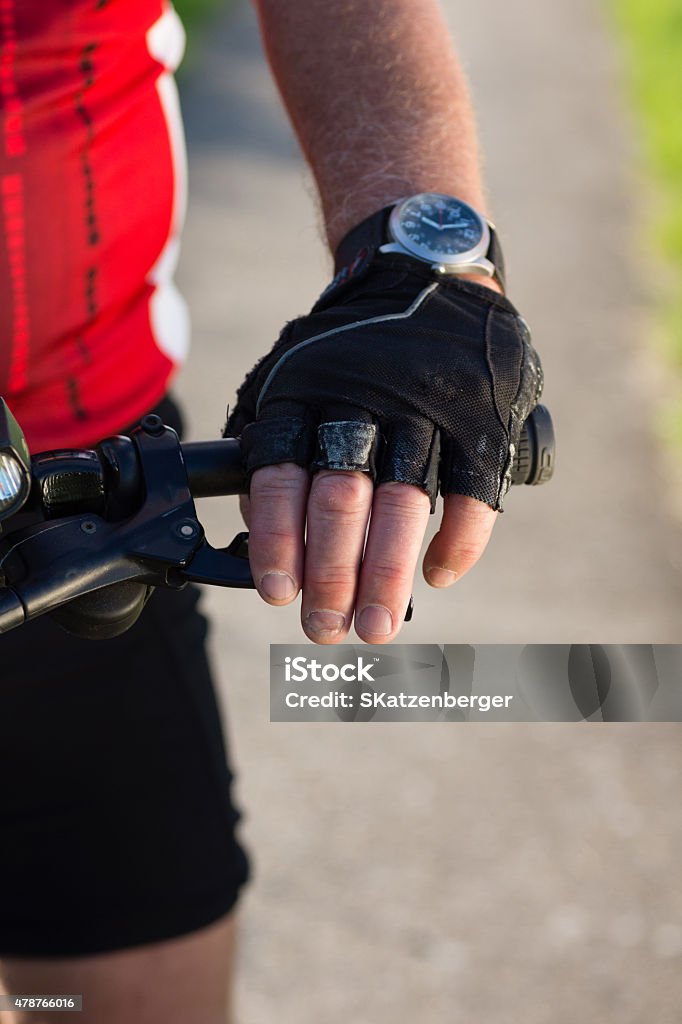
pixel 168 311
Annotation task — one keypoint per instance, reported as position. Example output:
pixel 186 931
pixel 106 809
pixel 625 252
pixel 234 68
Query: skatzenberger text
pixel 370 699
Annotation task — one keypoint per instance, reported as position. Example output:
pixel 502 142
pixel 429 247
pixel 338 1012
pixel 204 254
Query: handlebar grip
pixel 534 460
pixel 214 468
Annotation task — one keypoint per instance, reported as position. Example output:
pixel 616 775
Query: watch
pixel 433 228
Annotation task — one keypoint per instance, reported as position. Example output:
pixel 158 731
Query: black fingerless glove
pixel 393 373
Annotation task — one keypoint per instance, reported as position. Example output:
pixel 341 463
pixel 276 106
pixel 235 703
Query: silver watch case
pixel 473 261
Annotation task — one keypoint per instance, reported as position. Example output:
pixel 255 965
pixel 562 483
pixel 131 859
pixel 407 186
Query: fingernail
pixel 439 577
pixel 278 586
pixel 376 619
pixel 325 621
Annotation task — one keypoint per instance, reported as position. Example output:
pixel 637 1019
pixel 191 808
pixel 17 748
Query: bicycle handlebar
pixel 98 528
pixel 106 480
pixel 214 468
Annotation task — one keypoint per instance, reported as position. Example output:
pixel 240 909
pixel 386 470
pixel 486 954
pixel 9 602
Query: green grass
pixel 652 35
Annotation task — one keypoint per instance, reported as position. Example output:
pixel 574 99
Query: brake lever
pixel 47 565
pixel 222 567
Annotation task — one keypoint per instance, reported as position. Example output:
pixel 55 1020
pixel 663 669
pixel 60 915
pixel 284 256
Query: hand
pixel 388 381
pixel 329 564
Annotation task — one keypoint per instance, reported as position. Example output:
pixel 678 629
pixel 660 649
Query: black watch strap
pixel 372 233
pixel 496 257
pixel 368 234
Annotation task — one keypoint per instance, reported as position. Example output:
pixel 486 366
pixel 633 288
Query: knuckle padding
pixel 347 445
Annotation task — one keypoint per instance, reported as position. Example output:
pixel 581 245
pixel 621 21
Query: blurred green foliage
pixel 192 11
pixel 193 14
pixel 652 32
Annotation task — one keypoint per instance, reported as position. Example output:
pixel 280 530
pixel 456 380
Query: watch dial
pixel 439 226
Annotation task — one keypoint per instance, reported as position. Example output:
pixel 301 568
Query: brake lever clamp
pixel 70 561
pixel 195 559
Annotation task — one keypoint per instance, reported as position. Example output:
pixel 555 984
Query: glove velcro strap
pixel 347 445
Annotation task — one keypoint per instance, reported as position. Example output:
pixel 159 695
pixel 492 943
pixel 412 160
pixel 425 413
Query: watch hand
pixel 459 224
pixel 431 223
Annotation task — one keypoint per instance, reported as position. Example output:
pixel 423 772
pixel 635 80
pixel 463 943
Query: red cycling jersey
pixel 92 194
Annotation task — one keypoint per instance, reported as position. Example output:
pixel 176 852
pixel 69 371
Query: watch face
pixel 439 228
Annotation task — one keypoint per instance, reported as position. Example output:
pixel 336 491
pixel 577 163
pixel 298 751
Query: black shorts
pixel 116 822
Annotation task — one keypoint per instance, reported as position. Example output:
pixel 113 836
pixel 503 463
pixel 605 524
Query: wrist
pixel 487 282
pixel 437 230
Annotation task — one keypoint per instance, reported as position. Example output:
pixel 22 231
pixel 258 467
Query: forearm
pixel 378 100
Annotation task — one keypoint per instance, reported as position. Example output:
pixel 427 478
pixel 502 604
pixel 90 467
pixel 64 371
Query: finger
pixel 245 508
pixel 277 502
pixel 338 511
pixel 399 516
pixel 464 533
